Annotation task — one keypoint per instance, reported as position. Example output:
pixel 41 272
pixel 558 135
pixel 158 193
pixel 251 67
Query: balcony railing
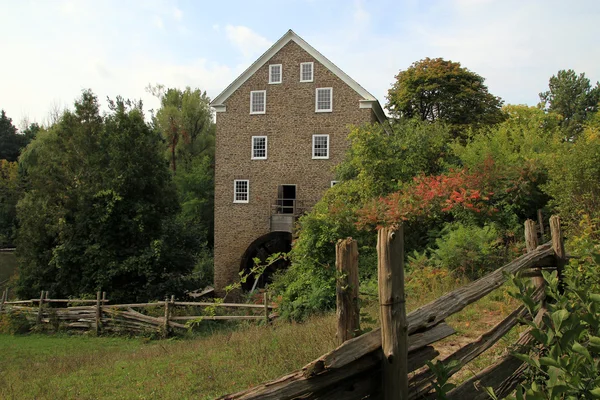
pixel 285 212
pixel 291 206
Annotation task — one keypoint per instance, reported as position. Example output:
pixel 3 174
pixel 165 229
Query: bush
pixel 14 323
pixel 574 172
pixel 471 250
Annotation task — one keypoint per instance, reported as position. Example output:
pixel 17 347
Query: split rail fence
pixel 389 362
pixel 98 315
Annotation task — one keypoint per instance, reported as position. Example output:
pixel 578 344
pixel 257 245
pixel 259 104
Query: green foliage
pixel 442 375
pixel 471 250
pixel 381 160
pixel 10 191
pixel 574 171
pixel 14 322
pixel 184 121
pixel 564 363
pixel 98 215
pixel 519 148
pixel 377 163
pixel 436 89
pixel 572 97
pixel 12 142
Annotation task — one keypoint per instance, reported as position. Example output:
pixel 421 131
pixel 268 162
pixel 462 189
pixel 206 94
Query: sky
pixel 53 49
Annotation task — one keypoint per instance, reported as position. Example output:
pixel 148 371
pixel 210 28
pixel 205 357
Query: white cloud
pixel 177 14
pixel 248 42
pixel 158 22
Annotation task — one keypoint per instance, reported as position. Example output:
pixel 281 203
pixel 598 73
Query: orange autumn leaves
pixel 455 191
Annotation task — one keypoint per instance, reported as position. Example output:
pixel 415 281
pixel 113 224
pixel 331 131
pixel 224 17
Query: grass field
pixel 221 361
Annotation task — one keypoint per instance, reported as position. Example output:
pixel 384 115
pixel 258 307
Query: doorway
pixel 286 199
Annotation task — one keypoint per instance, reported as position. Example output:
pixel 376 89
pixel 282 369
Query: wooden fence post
pixel 541 223
pixel 394 329
pixel 98 312
pixel 559 247
pixel 40 311
pixel 266 300
pixel 168 305
pixel 346 264
pixel 531 241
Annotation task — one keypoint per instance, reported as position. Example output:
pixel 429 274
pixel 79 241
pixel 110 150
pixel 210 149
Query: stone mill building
pixel 282 126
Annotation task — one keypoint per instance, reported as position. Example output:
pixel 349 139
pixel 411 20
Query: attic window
pixel 324 100
pixel 306 72
pixel 275 73
pixel 258 100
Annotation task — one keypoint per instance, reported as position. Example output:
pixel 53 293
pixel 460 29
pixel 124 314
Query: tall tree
pixel 100 208
pixel 185 122
pixel 436 89
pixel 9 195
pixel 571 96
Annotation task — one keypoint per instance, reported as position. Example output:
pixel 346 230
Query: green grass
pixel 79 367
pixel 227 359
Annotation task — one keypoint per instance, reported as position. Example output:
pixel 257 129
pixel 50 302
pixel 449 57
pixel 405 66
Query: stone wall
pixel 289 122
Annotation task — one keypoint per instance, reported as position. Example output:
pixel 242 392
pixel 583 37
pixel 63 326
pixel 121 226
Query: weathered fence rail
pixel 99 316
pixel 361 368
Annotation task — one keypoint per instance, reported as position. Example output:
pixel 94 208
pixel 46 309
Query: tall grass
pixel 221 360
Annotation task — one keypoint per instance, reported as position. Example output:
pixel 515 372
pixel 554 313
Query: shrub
pixel 471 250
pixel 14 323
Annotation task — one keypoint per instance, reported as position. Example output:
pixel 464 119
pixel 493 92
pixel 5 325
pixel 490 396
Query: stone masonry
pixel 289 122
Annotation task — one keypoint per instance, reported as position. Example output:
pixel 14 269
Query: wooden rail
pixel 99 316
pixel 356 368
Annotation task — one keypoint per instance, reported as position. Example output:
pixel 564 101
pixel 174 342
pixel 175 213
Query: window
pixel 258 100
pixel 333 183
pixel 241 191
pixel 275 73
pixel 306 72
pixel 323 100
pixel 259 147
pixel 320 147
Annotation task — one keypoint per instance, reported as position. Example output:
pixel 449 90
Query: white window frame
pixel 333 183
pixel 312 71
pixel 271 81
pixel 264 92
pixel 330 109
pixel 313 147
pixel 235 192
pixel 253 157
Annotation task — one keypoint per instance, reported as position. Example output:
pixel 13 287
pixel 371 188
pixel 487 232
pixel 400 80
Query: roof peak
pixel 290 35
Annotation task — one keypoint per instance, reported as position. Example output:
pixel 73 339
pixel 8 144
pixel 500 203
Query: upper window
pixel 324 100
pixel 241 191
pixel 306 72
pixel 258 100
pixel 320 147
pixel 275 73
pixel 259 147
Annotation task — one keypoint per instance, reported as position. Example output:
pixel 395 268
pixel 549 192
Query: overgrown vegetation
pixel 563 360
pixel 462 200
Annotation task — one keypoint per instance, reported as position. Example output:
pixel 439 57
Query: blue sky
pixel 52 49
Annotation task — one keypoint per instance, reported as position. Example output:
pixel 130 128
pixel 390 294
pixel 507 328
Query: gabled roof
pixel 369 101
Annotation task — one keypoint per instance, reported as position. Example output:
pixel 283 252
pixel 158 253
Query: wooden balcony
pixel 285 212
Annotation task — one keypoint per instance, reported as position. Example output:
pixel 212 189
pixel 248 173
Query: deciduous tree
pixel 100 208
pixel 436 89
pixel 573 97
